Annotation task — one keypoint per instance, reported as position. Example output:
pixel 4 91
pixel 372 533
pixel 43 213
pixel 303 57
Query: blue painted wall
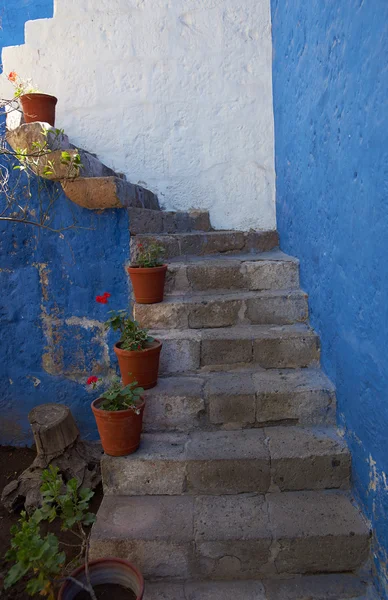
pixel 51 327
pixel 331 122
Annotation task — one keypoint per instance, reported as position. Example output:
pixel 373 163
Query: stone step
pixel 239 399
pixel 230 462
pixel 198 310
pixel 263 271
pixel 306 587
pixel 212 242
pixel 108 192
pixel 150 221
pixel 269 346
pixel 234 537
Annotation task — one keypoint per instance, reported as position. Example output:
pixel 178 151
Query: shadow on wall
pixel 330 88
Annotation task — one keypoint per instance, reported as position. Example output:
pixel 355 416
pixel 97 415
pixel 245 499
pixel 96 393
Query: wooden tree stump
pixel 58 443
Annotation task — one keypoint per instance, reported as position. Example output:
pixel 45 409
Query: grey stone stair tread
pixel 275 255
pixel 167 222
pixel 245 397
pixel 229 462
pixel 305 587
pixel 199 310
pixel 242 536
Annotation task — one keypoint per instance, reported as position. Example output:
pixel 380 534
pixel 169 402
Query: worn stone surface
pixel 307 458
pixel 147 221
pixel 181 350
pixel 224 310
pixel 285 348
pixel 176 403
pixel 231 399
pixel 212 242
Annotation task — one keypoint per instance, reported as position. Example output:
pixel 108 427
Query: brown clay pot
pixel 148 283
pixel 119 430
pixel 140 365
pixel 39 107
pixel 105 570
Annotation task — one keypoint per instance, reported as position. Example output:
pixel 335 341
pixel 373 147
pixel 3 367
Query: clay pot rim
pixel 40 94
pixel 121 351
pixel 105 560
pixel 95 408
pixel 148 269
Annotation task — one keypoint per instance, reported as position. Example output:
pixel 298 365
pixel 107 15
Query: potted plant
pixel 148 274
pixel 119 417
pixel 35 105
pixel 137 352
pixel 39 559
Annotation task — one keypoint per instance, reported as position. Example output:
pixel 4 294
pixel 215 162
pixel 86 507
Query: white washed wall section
pixel 177 94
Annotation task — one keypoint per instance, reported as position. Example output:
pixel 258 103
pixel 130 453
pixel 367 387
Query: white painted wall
pixel 177 94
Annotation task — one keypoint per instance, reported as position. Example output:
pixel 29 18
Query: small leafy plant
pixel 21 86
pixel 149 255
pixel 40 558
pixel 132 336
pixel 119 397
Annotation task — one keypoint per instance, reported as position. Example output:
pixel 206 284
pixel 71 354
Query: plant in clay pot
pixel 38 559
pixel 35 105
pixel 137 352
pixel 119 417
pixel 148 273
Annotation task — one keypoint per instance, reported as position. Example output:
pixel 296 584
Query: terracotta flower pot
pixel 105 571
pixel 140 365
pixel 119 430
pixel 148 283
pixel 39 107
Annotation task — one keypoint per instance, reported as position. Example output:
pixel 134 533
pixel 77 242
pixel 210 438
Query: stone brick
pixel 164 315
pixel 261 241
pixel 277 307
pixel 200 220
pixel 317 532
pixel 227 462
pixel 226 346
pixel 176 403
pixel 142 220
pixel 215 275
pixel 307 459
pixel 286 348
pixel 270 274
pixel 108 192
pixel 316 587
pixel 215 312
pixel 225 590
pixel 304 397
pixel 231 399
pixel 164 591
pixel 180 352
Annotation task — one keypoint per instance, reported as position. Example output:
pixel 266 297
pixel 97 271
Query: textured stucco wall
pixel 175 93
pixel 331 120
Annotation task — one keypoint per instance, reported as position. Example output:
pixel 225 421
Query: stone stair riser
pixel 248 275
pixel 150 221
pixel 213 242
pixel 279 309
pixel 233 537
pixel 182 355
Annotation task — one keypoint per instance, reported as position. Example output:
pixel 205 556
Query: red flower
pixel 139 347
pixel 107 294
pixel 12 76
pixel 139 245
pixel 92 379
pixel 102 299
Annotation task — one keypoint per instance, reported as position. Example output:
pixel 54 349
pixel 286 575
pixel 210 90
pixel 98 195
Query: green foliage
pixel 118 397
pixel 132 336
pixel 40 557
pixel 149 255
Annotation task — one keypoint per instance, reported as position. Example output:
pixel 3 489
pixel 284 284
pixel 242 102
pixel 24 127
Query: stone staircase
pixel 241 486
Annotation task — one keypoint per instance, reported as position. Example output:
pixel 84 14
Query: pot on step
pixel 119 430
pixel 39 107
pixel 105 571
pixel 140 365
pixel 148 283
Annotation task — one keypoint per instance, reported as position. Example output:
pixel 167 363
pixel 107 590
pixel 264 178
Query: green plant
pixel 21 87
pixel 39 558
pixel 132 336
pixel 119 397
pixel 149 255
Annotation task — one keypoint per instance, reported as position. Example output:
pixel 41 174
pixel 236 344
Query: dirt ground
pixel 12 462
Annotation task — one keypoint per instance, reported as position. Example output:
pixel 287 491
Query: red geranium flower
pixel 102 299
pixel 12 76
pixel 107 294
pixel 139 245
pixel 92 379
